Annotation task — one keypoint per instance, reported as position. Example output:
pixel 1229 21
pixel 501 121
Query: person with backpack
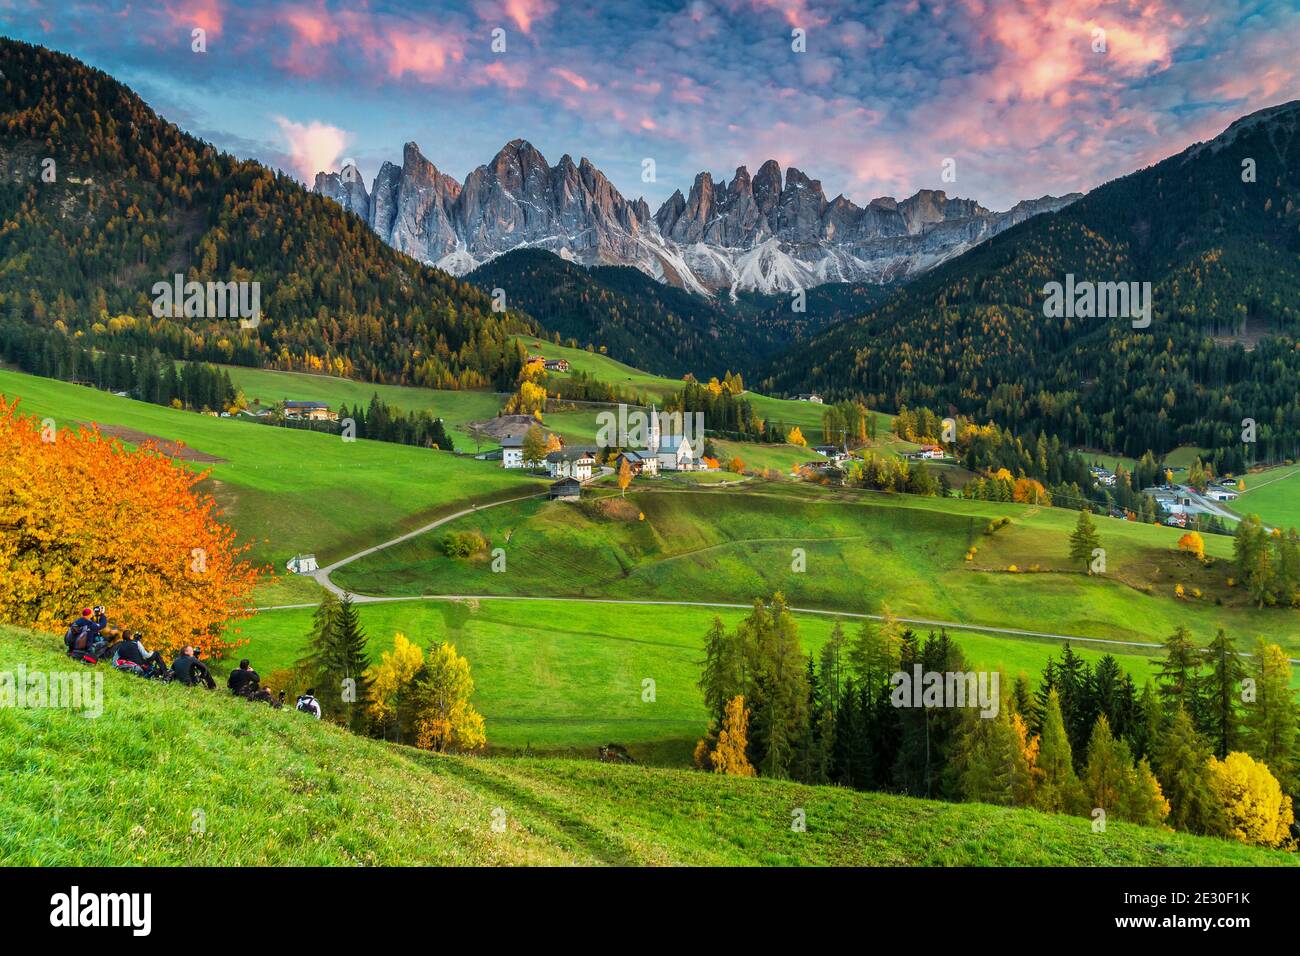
pixel 308 704
pixel 81 634
pixel 241 677
pixel 189 670
pixel 131 654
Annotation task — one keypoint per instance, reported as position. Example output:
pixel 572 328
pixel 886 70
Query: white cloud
pixel 313 146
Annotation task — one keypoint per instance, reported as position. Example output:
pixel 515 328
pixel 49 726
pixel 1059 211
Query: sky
pixel 1025 98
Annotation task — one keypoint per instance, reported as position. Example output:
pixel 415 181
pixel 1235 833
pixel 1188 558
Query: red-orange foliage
pixel 84 520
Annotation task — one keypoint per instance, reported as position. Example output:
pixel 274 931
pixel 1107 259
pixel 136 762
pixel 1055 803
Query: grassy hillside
pixel 175 776
pixel 864 549
pixel 289 490
pixel 561 677
pixel 455 407
pixel 1274 495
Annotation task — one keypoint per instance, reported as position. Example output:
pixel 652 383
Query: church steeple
pixel 652 432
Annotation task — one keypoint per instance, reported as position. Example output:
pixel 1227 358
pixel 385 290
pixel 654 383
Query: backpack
pixel 129 667
pixel 308 705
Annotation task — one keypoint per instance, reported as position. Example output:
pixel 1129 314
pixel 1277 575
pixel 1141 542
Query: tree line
pixel 1209 745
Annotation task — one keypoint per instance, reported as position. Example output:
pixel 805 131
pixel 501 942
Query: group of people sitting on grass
pixel 91 638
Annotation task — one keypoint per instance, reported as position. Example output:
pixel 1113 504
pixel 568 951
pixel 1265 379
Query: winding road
pixel 322 577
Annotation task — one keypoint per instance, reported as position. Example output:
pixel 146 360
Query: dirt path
pixel 168 447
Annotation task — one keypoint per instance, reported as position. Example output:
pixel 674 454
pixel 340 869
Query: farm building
pixel 571 463
pixel 512 451
pixel 310 411
pixel 566 489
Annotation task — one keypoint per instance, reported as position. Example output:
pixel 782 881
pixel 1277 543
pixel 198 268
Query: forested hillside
pixel 1215 230
pixel 129 200
pixel 658 327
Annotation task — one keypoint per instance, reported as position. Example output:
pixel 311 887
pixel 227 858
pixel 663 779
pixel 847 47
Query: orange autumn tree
pixel 84 520
pixel 1192 543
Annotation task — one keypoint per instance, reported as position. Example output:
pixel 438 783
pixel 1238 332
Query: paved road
pixel 322 577
pixel 1212 506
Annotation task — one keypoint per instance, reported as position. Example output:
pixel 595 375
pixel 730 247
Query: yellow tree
pixel 391 679
pixel 624 476
pixel 1255 810
pixel 553 443
pixel 1192 543
pixel 729 755
pixel 796 437
pixel 534 447
pixel 445 719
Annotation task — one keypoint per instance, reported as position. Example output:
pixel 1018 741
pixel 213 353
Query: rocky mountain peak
pixel 767 231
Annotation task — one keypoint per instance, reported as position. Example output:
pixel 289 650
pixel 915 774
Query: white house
pixel 809 397
pixel 302 564
pixel 639 462
pixel 571 463
pixel 512 451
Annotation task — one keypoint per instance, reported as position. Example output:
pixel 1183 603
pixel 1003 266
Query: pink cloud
pixel 524 12
pixel 574 79
pixel 207 14
pixel 312 28
pixel 506 75
pixel 421 53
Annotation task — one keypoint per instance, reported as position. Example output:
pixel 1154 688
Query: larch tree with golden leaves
pixel 84 520
pixel 728 756
pixel 445 718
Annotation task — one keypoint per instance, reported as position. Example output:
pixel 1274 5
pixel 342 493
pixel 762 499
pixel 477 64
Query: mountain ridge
pixel 749 234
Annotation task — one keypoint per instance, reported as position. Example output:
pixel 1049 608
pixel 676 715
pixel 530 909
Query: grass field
pixel 287 490
pixel 863 550
pixel 1274 495
pixel 564 677
pixel 268 386
pixel 177 776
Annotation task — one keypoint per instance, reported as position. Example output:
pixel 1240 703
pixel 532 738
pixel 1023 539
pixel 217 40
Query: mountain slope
pixel 749 235
pixel 135 200
pixel 178 776
pixel 1223 259
pixel 660 328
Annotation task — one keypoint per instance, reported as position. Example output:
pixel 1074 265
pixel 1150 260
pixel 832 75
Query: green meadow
pixel 561 677
pixel 1274 495
pixel 274 788
pixel 286 490
pixel 863 551
pixel 456 408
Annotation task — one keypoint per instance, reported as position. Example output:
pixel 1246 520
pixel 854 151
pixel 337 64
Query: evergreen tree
pixel 1083 541
pixel 1271 718
pixel 1178 676
pixel 1058 790
pixel 1106 769
pixel 337 662
pixel 1181 763
pixel 1219 693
